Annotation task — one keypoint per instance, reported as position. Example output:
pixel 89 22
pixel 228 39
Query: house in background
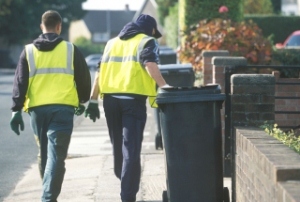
pixel 290 7
pixel 100 25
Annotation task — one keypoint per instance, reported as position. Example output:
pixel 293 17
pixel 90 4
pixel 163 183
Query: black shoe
pixel 127 201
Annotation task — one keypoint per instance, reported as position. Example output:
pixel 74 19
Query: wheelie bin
pixel 167 55
pixel 175 75
pixel 191 130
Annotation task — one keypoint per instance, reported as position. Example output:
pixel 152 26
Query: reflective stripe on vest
pixel 135 58
pixel 33 70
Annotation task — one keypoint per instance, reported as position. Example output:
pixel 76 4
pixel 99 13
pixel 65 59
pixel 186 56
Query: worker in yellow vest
pixel 128 76
pixel 52 81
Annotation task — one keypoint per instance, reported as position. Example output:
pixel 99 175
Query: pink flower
pixel 223 9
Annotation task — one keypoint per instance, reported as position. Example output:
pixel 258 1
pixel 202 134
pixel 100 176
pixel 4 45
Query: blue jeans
pixel 126 119
pixel 52 126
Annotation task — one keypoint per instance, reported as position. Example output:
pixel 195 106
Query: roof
pixel 97 20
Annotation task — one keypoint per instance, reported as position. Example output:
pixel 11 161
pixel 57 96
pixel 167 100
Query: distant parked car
pixel 93 61
pixel 292 41
pixel 5 60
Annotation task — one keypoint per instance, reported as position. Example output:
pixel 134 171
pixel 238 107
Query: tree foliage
pixel 4 7
pixel 163 9
pixel 20 20
pixel 171 24
pixel 258 7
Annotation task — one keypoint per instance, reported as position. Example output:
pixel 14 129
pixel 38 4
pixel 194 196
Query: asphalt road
pixel 17 153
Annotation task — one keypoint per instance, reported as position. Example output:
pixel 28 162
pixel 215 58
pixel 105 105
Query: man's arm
pixel 82 76
pixel 154 72
pixel 95 89
pixel 149 58
pixel 20 85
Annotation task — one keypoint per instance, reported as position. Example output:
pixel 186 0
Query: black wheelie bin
pixel 167 55
pixel 191 129
pixel 175 75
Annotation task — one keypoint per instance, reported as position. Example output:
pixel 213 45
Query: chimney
pixel 126 7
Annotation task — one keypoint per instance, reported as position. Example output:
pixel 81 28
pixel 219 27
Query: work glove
pixel 79 110
pixel 16 122
pixel 166 86
pixel 92 111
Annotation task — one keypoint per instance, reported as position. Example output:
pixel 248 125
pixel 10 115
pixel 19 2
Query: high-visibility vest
pixel 121 71
pixel 51 76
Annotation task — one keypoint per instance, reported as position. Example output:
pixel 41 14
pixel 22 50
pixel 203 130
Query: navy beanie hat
pixel 147 23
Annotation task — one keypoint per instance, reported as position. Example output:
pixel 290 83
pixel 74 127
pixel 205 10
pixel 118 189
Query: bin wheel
pixel 158 142
pixel 226 197
pixel 165 196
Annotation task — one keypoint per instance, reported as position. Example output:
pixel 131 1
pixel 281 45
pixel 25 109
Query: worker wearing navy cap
pixel 128 76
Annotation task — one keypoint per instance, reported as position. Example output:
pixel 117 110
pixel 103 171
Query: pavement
pixel 89 168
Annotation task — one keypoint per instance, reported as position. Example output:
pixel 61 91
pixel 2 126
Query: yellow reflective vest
pixel 121 71
pixel 51 76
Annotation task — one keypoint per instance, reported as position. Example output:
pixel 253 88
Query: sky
pixel 112 4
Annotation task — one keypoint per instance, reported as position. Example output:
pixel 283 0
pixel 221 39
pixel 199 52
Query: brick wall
pixel 252 103
pixel 263 168
pixel 252 99
pixel 207 63
pixel 266 170
pixel 289 87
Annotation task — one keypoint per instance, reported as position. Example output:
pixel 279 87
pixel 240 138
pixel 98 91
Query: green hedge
pixel 288 57
pixel 87 47
pixel 279 27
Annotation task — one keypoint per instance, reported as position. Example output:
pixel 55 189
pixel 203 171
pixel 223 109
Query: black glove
pixel 79 110
pixel 16 122
pixel 92 111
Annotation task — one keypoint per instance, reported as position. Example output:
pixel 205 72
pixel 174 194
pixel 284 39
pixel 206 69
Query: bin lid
pixel 190 94
pixel 165 50
pixel 176 67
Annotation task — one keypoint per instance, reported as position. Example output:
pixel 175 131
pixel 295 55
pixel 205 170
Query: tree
pixel 20 20
pixel 258 7
pixel 4 10
pixel 163 9
pixel 171 24
pixel 277 6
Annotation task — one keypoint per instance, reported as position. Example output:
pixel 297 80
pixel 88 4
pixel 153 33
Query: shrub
pixel 287 57
pixel 287 138
pixel 239 38
pixel 87 47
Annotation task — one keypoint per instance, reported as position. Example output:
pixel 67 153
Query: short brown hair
pixel 51 18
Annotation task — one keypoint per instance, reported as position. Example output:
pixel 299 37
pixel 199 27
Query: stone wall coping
pixel 212 53
pixel 253 79
pixel 229 61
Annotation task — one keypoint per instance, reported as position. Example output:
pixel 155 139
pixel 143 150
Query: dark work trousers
pixel 52 126
pixel 126 119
